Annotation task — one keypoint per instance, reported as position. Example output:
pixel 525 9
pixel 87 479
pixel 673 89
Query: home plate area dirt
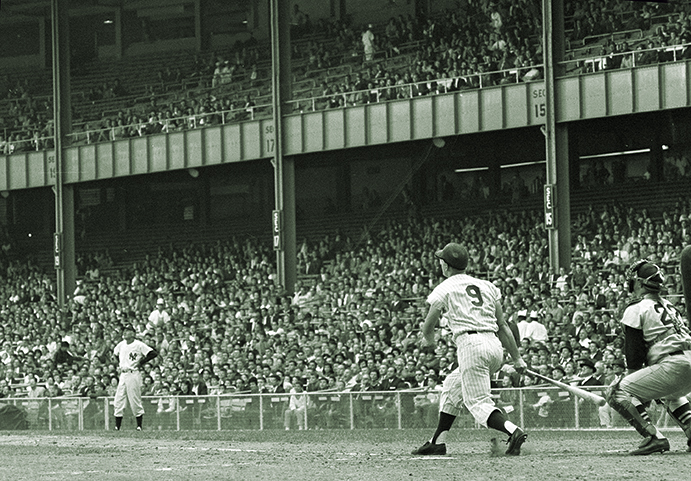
pixel 332 455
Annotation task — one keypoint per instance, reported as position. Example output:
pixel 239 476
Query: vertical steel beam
pixel 556 136
pixel 63 244
pixel 284 168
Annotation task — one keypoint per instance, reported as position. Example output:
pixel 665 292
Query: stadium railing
pixel 538 407
pixel 576 66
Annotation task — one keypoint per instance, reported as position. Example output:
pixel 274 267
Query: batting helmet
pixel 454 255
pixel 649 274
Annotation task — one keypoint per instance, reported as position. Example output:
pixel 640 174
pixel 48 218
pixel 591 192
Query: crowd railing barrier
pixel 330 100
pixel 538 407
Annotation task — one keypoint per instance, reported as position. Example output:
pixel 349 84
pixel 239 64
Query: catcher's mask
pixel 649 274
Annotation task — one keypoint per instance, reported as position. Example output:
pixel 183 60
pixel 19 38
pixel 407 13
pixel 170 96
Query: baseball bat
pixel 576 391
pixel 685 266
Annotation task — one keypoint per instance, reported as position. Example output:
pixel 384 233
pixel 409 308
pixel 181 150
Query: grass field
pixel 331 455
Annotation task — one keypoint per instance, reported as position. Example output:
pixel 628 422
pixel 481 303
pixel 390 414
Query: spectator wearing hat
pixel 530 328
pixel 608 416
pixel 159 316
pixel 588 413
pixel 562 412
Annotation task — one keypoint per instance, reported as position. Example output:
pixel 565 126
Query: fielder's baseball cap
pixel 454 255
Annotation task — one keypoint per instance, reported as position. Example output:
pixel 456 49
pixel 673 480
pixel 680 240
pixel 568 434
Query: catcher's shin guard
pixel 623 403
pixel 680 411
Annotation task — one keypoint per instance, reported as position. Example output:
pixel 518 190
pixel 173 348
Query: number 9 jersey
pixel 663 327
pixel 468 303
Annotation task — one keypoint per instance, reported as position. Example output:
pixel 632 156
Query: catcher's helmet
pixel 649 274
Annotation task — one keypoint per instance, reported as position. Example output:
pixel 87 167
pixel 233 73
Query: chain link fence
pixel 532 408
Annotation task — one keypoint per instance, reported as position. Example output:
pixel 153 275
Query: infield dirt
pixel 331 455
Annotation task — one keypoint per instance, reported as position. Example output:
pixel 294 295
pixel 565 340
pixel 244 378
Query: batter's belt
pixel 675 353
pixel 467 333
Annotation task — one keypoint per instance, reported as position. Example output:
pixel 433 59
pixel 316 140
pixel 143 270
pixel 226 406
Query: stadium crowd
pixel 478 45
pixel 222 324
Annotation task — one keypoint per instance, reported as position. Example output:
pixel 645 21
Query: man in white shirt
pixel 159 316
pixel 532 329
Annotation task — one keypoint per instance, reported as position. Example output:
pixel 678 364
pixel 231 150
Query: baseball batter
pixel 132 354
pixel 475 317
pixel 658 357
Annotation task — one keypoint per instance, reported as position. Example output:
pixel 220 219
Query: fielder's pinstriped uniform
pixel 469 305
pixel 130 385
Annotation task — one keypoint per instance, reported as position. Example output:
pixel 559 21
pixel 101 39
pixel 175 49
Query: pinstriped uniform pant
pixel 129 389
pixel 479 357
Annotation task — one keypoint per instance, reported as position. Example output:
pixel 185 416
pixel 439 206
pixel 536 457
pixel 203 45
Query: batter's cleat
pixel 139 428
pixel 645 441
pixel 654 445
pixel 429 449
pixel 117 428
pixel 515 442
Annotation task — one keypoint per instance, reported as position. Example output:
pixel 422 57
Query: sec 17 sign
pixel 550 221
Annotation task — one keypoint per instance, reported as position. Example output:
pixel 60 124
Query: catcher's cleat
pixel 515 442
pixel 654 445
pixel 428 449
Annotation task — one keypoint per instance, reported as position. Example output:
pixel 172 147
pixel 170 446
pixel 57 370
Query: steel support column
pixel 556 136
pixel 284 168
pixel 63 244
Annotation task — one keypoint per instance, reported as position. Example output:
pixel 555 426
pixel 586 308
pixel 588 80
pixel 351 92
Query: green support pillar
pixel 284 168
pixel 63 243
pixel 556 138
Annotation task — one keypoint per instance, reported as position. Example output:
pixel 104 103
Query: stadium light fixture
pixel 615 154
pixel 623 152
pixel 471 169
pixel 522 164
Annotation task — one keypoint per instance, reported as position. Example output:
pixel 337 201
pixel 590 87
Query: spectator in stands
pixel 368 43
pixel 297 405
pixel 530 328
pixel 198 385
pixel 298 22
pixel 63 356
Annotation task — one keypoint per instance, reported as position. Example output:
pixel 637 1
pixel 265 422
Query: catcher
pixel 658 356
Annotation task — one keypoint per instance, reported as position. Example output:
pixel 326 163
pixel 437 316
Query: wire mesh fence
pixel 532 408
